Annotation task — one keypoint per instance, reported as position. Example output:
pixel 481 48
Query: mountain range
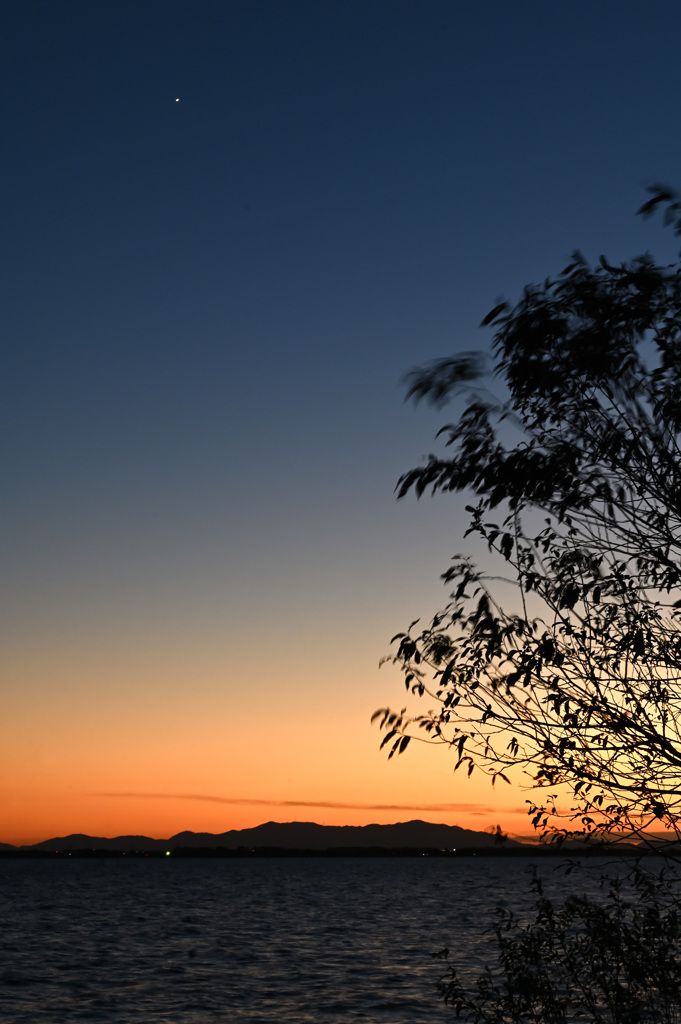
pixel 294 835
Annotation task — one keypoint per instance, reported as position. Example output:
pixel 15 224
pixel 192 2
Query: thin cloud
pixel 325 804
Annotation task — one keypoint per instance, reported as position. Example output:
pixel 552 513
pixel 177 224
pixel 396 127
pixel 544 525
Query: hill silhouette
pixel 294 835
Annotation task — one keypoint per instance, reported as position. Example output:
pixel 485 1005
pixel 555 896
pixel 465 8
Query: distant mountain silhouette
pixel 78 841
pixel 306 835
pixel 293 835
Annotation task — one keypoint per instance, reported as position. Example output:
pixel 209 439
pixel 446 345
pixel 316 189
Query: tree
pixel 612 959
pixel 575 484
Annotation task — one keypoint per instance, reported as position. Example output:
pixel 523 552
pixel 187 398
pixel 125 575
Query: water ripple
pixel 194 942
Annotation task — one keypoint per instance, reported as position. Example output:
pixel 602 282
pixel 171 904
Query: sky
pixel 229 230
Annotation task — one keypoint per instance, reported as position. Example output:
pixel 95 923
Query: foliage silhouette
pixel 576 484
pixel 613 960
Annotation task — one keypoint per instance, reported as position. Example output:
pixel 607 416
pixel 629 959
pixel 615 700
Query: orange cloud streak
pixel 335 805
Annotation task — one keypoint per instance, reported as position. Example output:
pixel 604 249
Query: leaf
pixel 569 596
pixel 494 313
pixel 386 739
pixel 506 546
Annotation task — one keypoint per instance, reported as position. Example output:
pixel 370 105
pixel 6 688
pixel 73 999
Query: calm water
pixel 192 942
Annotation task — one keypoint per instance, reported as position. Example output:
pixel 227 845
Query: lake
pixel 274 940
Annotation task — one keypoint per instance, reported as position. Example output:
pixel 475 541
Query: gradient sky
pixel 208 306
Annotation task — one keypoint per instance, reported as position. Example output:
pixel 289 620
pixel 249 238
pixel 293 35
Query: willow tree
pixel 574 483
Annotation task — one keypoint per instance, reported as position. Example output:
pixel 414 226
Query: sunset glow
pixel 233 228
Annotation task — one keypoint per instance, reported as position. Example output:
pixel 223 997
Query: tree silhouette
pixel 609 959
pixel 575 484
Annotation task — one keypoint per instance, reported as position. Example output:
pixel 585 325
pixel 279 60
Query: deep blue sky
pixel 208 306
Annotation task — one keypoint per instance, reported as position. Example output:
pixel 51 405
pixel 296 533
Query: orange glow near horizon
pixel 100 772
pixel 31 818
pixel 169 726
